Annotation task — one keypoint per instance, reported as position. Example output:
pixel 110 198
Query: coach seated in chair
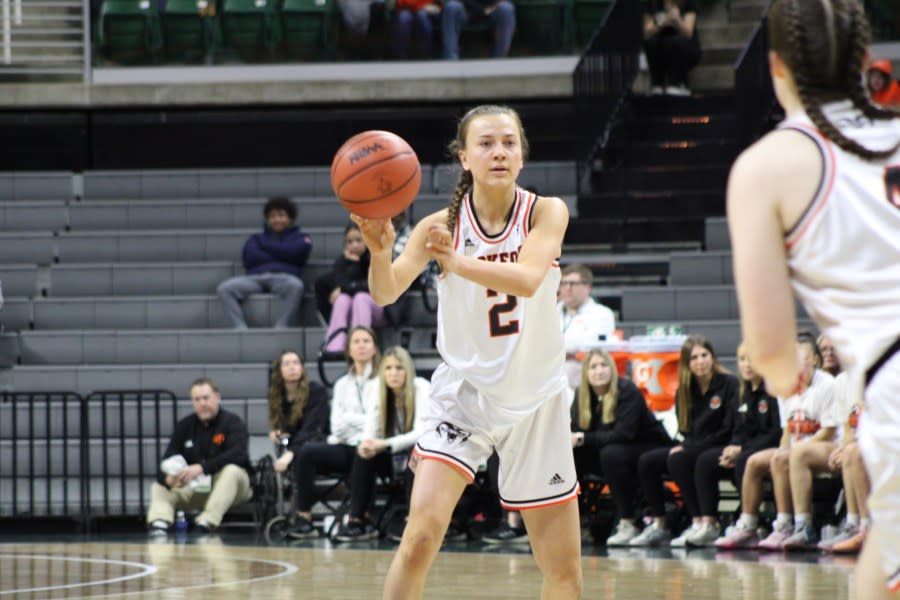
pixel 205 467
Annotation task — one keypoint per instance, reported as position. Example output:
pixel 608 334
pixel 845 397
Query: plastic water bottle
pixel 181 523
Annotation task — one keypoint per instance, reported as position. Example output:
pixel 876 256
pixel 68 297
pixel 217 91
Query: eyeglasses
pixel 571 283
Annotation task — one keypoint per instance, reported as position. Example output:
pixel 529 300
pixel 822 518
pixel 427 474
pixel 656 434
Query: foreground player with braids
pixel 502 384
pixel 815 206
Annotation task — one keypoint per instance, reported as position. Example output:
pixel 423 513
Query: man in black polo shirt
pixel 214 444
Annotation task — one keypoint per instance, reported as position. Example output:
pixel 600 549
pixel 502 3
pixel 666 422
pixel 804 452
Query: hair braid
pixel 463 187
pixel 812 96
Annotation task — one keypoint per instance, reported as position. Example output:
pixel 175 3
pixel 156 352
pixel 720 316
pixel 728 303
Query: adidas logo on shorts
pixel 556 479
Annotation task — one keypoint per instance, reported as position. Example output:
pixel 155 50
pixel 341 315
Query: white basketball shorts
pixel 536 464
pixel 879 440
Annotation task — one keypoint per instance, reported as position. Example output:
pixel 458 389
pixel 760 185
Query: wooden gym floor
pixel 234 567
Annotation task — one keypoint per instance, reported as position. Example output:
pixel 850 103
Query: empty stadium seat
pixel 44 215
pixel 251 27
pixel 191 30
pixel 545 25
pixel 19 280
pixel 310 28
pixel 587 15
pixel 129 31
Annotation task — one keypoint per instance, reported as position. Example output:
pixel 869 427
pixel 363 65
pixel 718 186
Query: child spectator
pixel 351 304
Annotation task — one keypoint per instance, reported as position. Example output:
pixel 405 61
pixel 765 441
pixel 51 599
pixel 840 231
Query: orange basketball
pixel 376 174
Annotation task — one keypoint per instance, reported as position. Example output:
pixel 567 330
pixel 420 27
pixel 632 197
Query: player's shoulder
pixel 550 205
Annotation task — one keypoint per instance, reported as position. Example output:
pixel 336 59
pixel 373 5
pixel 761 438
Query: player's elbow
pixel 529 286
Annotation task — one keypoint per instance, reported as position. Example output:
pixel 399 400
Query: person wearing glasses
pixel 584 321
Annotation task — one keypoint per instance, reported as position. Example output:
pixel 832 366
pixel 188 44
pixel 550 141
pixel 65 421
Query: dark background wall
pixel 249 136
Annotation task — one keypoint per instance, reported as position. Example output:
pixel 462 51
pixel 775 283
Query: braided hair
pixel 465 181
pixel 823 43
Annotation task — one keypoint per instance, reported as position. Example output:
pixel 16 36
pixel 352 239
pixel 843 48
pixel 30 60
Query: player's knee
pixel 853 457
pixel 780 461
pixel 420 544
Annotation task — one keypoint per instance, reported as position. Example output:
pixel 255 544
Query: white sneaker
pixel 677 90
pixel 681 540
pixel 657 90
pixel 705 536
pixel 651 536
pixel 625 532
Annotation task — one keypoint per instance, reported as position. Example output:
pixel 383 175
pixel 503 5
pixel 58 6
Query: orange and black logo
pixel 218 439
pixel 452 433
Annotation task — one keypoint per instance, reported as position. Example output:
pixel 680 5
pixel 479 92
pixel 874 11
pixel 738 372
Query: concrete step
pixel 746 12
pixel 712 77
pixel 720 55
pixel 715 34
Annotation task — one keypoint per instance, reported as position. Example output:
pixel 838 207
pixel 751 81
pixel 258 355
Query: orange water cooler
pixel 654 368
pixel 619 350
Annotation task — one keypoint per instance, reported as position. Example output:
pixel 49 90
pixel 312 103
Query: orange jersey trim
pixel 572 496
pixel 510 225
pixel 464 472
pixel 821 199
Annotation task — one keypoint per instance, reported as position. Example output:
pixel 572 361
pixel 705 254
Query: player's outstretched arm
pixel 522 278
pixel 388 280
pixel 782 165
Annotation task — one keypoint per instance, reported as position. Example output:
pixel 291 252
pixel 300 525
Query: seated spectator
pixel 348 419
pixel 706 405
pixel 396 404
pixel 459 13
pixel 611 428
pixel 298 407
pixel 806 415
pixel 849 537
pixel 883 88
pixel 414 25
pixel 671 44
pixel 351 304
pixel 274 261
pixel 831 363
pixel 210 471
pixel 585 322
pixel 757 427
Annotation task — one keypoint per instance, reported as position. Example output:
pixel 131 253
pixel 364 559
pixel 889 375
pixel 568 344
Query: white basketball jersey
pixel 509 348
pixel 844 253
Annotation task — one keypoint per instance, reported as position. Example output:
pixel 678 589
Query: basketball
pixel 376 174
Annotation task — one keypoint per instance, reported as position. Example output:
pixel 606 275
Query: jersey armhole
pixel 826 181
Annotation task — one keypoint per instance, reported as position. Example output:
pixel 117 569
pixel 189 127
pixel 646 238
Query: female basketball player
pixel 815 206
pixel 502 383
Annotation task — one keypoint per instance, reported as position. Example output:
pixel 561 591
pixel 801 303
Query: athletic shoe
pixel 681 540
pixel 505 534
pixel 302 529
pixel 852 545
pixel 651 536
pixel 158 528
pixel 775 540
pixel 677 90
pixel 705 536
pixel 805 537
pixel 457 534
pixel 355 531
pixel 839 534
pixel 737 537
pixel 625 532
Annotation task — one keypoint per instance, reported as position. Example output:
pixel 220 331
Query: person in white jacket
pixel 396 404
pixel 348 420
pixel 585 322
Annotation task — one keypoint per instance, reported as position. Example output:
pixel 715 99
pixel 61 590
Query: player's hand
pixel 439 245
pixel 284 462
pixel 378 234
pixel 676 450
pixel 836 458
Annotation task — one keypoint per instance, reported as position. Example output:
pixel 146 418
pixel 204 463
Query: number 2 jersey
pixel 509 348
pixel 844 253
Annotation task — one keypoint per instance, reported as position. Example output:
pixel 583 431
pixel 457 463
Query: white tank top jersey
pixel 844 253
pixel 509 348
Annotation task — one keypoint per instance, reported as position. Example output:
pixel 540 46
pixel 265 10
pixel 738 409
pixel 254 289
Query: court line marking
pixel 147 570
pixel 289 569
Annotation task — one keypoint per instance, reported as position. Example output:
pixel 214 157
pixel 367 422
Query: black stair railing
pixel 754 95
pixel 602 79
